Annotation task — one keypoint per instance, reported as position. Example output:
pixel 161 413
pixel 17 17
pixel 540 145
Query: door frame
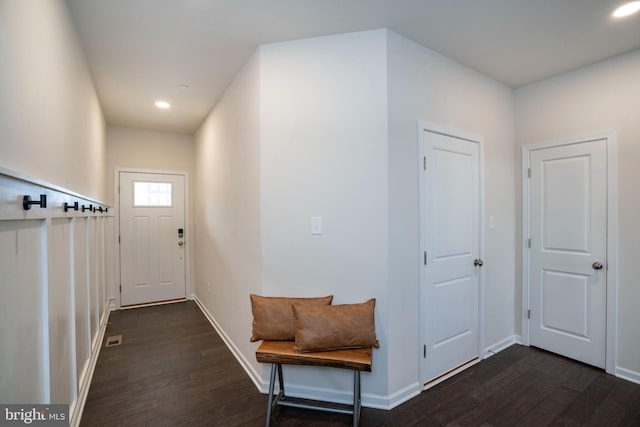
pixel 426 126
pixel 116 303
pixel 612 237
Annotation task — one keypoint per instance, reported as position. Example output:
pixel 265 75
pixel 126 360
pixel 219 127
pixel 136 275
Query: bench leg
pixel 273 398
pixel 357 401
pixel 270 401
pixel 281 395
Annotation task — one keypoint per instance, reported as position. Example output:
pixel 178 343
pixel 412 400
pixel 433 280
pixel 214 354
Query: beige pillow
pixel 273 316
pixel 335 327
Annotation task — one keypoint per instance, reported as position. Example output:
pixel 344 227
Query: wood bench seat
pixel 283 352
pixel 280 353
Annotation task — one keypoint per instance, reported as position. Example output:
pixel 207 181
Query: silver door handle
pixel 597 265
pixel 478 262
pixel 180 243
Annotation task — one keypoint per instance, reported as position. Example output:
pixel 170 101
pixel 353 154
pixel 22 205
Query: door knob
pixel 478 262
pixel 180 243
pixel 597 265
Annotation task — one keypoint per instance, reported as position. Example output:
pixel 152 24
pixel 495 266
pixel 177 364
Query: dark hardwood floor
pixel 172 369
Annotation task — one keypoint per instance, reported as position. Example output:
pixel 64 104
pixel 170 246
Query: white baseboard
pixel 501 345
pixel 399 397
pixel 627 374
pixel 305 392
pixel 346 396
pixel 253 374
pixel 77 408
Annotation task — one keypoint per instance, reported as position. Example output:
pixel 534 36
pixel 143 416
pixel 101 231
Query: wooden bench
pixel 280 353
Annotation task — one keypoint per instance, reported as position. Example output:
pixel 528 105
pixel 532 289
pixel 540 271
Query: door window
pixel 152 194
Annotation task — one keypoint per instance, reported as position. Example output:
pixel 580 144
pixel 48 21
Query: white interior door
pixel 152 237
pixel 568 266
pixel 451 276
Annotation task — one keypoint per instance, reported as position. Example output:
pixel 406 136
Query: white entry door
pixel 152 238
pixel 568 265
pixel 451 260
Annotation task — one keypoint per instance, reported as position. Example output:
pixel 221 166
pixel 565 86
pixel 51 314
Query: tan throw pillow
pixel 335 327
pixel 273 316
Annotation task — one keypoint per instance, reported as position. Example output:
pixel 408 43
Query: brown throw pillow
pixel 273 316
pixel 335 327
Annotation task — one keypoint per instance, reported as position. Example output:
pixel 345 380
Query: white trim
pixel 612 237
pixel 153 304
pixel 43 184
pixel 44 310
pixel 255 376
pixel 612 254
pixel 450 374
pixel 501 345
pixel 75 412
pixel 459 134
pixel 13 186
pixel 395 399
pixel 628 375
pixel 345 397
pixel 300 391
pixel 526 232
pixel 189 229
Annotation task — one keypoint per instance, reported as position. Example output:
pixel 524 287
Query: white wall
pixel 53 301
pixel 51 123
pixel 55 267
pixel 600 97
pixel 323 119
pixel 147 149
pixel 227 210
pixel 131 148
pixel 424 85
pixel 335 136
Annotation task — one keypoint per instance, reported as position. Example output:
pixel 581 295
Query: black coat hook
pixel 86 208
pixel 27 202
pixel 68 206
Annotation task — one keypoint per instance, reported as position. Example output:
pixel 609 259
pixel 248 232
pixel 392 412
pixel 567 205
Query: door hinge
pixel 425 257
pixel 424 351
pixel 529 172
pixel 529 243
pixel 424 163
pixel 118 238
pixel 120 288
pixel 528 314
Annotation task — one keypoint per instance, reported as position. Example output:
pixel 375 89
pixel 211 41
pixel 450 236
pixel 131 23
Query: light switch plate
pixel 316 225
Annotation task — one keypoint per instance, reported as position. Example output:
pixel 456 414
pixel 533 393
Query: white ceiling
pixel 142 50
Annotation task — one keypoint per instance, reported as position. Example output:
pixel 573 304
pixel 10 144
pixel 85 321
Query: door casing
pixel 612 238
pixel 115 300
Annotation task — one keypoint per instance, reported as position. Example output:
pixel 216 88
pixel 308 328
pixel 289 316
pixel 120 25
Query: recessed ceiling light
pixel 627 9
pixel 163 104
